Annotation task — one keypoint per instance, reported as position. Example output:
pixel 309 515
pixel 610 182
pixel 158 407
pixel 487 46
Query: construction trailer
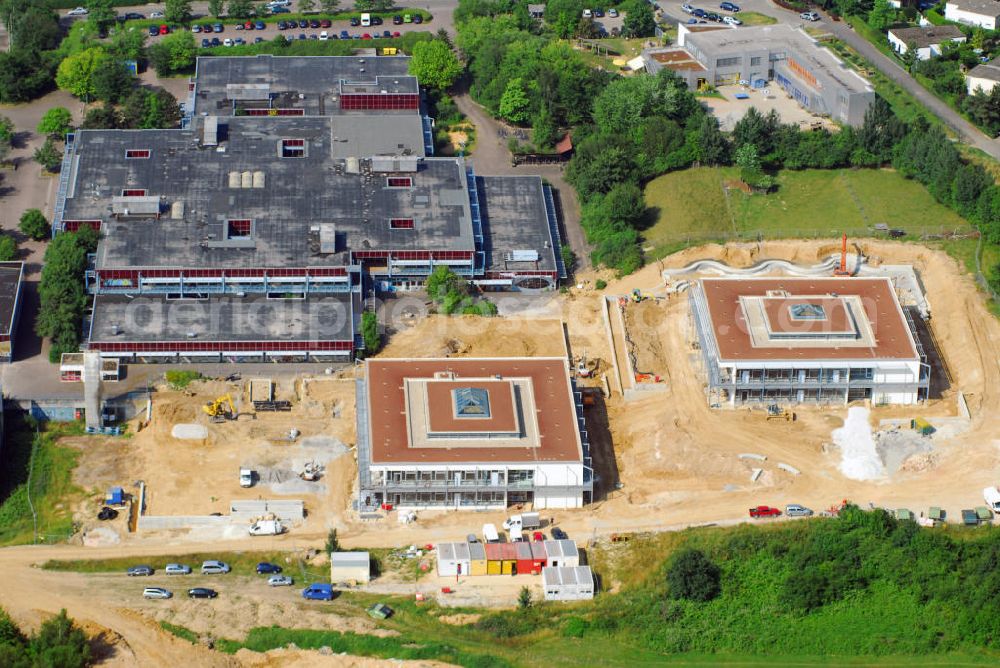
pixel 562 553
pixel 568 583
pixel 477 559
pixel 501 559
pixel 538 554
pixel 350 567
pixel 453 559
pixel 527 559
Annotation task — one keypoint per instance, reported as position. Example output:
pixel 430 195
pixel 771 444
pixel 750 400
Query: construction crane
pixel 842 269
pixel 221 409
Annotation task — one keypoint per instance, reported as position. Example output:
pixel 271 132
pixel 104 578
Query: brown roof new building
pixel 785 318
pixel 471 411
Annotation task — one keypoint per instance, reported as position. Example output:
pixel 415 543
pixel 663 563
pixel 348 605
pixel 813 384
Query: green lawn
pixel 692 205
pixel 756 19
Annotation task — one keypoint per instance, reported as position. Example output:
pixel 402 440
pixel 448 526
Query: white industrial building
pixel 471 434
pixel 807 340
pixel 568 583
pixel 982 13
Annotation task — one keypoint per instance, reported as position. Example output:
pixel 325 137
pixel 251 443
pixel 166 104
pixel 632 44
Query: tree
pixel 174 53
pixel 978 41
pixel 307 6
pixel 24 75
pixel 514 104
pixel 6 130
pixel 127 44
pixel 383 5
pixel 76 73
pixel 113 82
pixel 332 542
pixel 544 131
pixel 882 15
pixel 60 642
pixel 102 117
pixel 370 333
pixel 329 6
pixel 435 64
pixel 639 20
pixel 35 225
pixel 145 109
pixel 587 28
pixel 56 122
pixel 364 5
pixel 62 298
pixel 48 156
pixel 239 9
pixel 524 598
pixel 216 7
pixel 8 248
pixel 32 28
pixel 881 130
pixel 751 171
pixel 177 11
pixel 692 576
pixel 101 13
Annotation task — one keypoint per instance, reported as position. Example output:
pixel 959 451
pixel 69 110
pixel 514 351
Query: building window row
pixel 728 62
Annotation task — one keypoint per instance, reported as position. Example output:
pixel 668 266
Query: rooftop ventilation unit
pixel 210 131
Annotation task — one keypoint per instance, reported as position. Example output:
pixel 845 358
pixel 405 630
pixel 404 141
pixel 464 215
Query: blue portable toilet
pixel 132 66
pixel 116 496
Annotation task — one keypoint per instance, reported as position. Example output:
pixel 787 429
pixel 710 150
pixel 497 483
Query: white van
pixel 991 495
pixel 490 534
pixel 366 20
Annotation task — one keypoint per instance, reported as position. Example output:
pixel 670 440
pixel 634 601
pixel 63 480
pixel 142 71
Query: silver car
pixel 177 569
pixel 795 510
pixel 213 567
pixel 280 581
pixel 156 592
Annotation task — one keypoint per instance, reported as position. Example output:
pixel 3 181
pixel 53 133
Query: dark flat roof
pixel 554 407
pixel 315 78
pixel 10 282
pixel 729 327
pixel 923 36
pixel 119 319
pixel 514 218
pixel 297 195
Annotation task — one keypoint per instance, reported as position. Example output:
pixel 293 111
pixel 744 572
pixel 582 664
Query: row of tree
pixel 61 291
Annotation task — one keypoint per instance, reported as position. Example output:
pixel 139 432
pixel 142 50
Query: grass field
pixel 756 19
pixel 51 490
pixel 692 204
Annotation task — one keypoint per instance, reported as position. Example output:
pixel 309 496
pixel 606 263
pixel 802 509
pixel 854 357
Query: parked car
pixel 196 28
pixel 386 34
pixel 376 20
pixel 164 29
pixel 216 41
pixel 258 40
pixel 366 36
pixel 133 16
pixel 207 28
pixel 217 27
pixel 732 20
pixel 303 23
pixel 397 20
pixel 418 19
pixel 795 510
pixel 177 569
pixel 280 10
pixel 396 34
pixel 318 592
pixel 107 513
pixel 729 7
pixel 265 567
pixel 712 16
pixel 345 35
pixel 227 42
pixel 239 26
pixel 139 571
pixel 202 592
pixel 259 25
pixel 809 16
pixel 77 11
pixel 355 21
pixel 280 581
pixel 302 35
pixel 558 534
pixel 248 25
pixel 156 15
pixel 156 592
pixel 205 43
pixel 154 31
pixel 764 511
pixel 325 23
pixel 613 13
pixel 379 611
pixel 598 13
pixel 213 567
pixel 407 18
pixel 314 36
pixel 314 23
pixel 282 25
pixel 537 536
pixel 687 9
pixel 324 35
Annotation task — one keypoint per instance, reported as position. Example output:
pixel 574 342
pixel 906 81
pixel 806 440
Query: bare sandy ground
pixel 675 458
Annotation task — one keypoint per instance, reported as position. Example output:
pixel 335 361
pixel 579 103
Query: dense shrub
pixel 693 577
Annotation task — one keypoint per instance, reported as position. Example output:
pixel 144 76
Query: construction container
pixel 524 563
pixel 453 559
pixel 984 514
pixel 501 558
pixel 538 555
pixel 562 553
pixel 350 567
pixel 904 514
pixel 575 583
pixel 477 559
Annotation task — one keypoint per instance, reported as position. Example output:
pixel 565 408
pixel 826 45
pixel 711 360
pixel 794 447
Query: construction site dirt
pixel 664 460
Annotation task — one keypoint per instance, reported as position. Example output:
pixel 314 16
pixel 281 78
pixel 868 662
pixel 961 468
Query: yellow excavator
pixel 221 409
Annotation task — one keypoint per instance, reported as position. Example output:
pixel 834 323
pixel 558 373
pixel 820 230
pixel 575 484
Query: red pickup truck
pixel 764 511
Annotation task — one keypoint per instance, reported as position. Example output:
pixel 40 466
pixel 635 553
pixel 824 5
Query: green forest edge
pixel 861 588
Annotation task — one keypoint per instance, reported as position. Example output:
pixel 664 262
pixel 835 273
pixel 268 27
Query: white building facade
pixel 982 13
